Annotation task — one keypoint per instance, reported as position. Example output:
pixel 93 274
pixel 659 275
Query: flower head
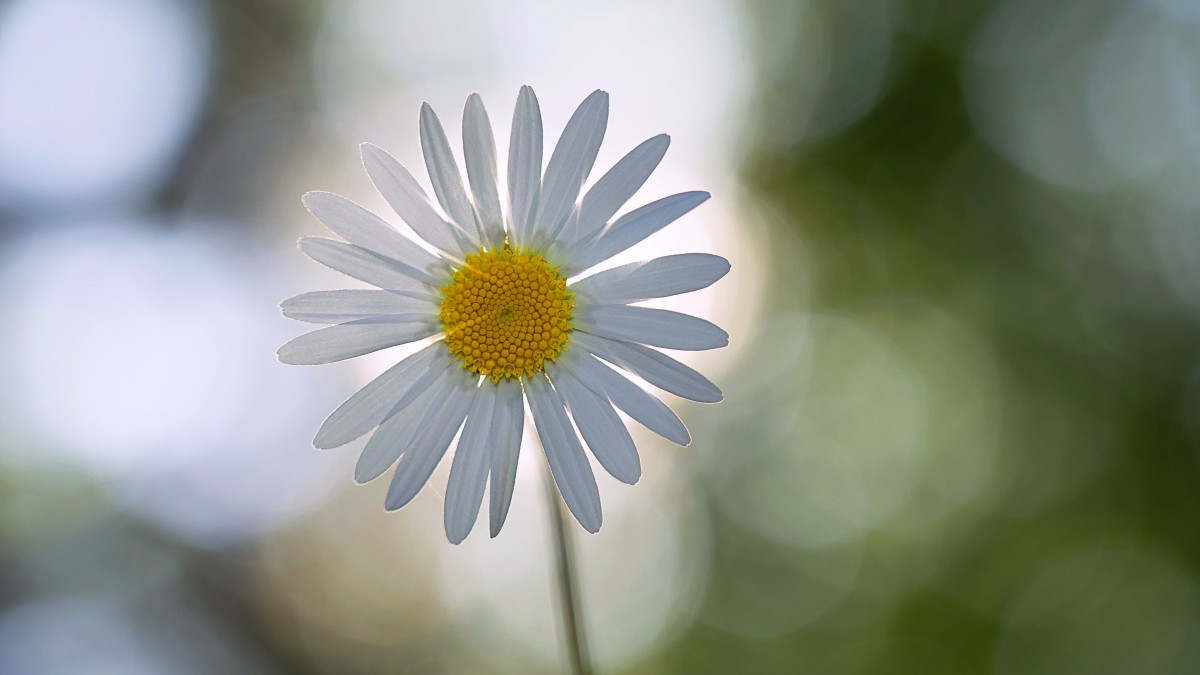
pixel 511 318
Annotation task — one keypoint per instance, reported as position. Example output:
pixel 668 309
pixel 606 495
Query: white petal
pixel 359 263
pixel 603 430
pixel 652 366
pixel 570 164
pixel 350 305
pixel 443 172
pixel 604 381
pixel 616 187
pixel 562 244
pixel 508 421
pixel 347 340
pixel 479 148
pixel 359 226
pixel 646 325
pixel 633 227
pixel 524 165
pixel 396 433
pixel 568 464
pixel 658 278
pixel 409 202
pixel 380 398
pixel 469 470
pixel 432 438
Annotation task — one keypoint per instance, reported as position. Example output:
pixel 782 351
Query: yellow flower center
pixel 506 313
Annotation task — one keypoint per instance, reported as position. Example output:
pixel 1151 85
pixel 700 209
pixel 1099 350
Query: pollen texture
pixel 506 313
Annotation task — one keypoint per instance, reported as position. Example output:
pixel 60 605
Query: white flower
pixel 506 321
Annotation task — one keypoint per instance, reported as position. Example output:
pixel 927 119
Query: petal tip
pixel 322 441
pixel 306 197
pixel 286 356
pixel 367 150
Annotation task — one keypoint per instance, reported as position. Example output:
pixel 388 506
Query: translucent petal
pixel 601 428
pixel 625 395
pixel 347 340
pixel 443 172
pixel 508 422
pixel 617 186
pixel 409 202
pixel 378 400
pixel 649 326
pixel 658 278
pixel 570 164
pixel 524 165
pixel 633 227
pixel 359 263
pixel 469 470
pixel 429 443
pixel 394 435
pixel 652 366
pixel 350 305
pixel 564 453
pixel 479 148
pixel 359 226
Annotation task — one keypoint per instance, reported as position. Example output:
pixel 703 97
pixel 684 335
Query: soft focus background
pixel 962 424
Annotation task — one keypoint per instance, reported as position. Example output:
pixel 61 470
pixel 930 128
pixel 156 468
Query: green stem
pixel 568 592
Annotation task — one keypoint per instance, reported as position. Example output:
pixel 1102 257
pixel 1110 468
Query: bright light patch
pixel 98 96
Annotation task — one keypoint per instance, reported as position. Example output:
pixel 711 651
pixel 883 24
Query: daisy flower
pixel 510 313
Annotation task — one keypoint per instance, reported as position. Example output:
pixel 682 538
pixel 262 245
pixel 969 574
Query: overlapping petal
pixel 429 440
pixel 631 229
pixel 350 305
pixel 568 464
pixel 570 165
pixel 359 263
pixel 469 470
pixel 393 436
pixel 658 278
pixel 355 338
pixel 382 397
pixel 625 395
pixel 649 326
pixel 409 201
pixel 444 173
pixel 616 187
pixel 359 226
pixel 600 426
pixel 652 366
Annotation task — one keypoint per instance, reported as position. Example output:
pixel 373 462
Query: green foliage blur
pixel 1037 317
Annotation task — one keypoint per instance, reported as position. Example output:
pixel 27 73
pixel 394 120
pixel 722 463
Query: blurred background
pixel 961 431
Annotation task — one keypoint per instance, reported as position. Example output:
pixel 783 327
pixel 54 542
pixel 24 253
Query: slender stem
pixel 568 591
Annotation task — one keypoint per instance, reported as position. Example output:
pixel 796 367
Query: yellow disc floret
pixel 506 312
